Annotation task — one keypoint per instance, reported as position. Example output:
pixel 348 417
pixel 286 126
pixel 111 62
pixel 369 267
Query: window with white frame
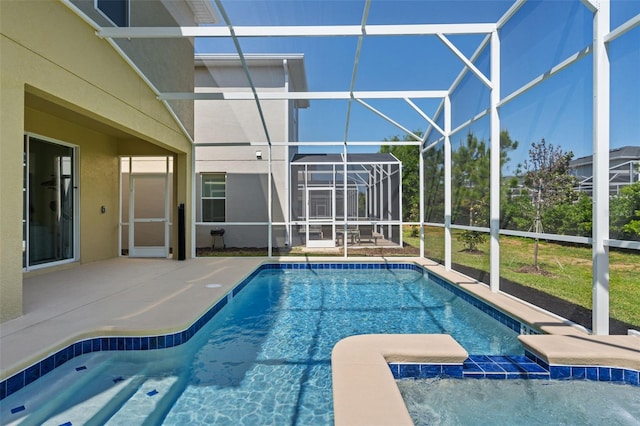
pixel 117 11
pixel 214 191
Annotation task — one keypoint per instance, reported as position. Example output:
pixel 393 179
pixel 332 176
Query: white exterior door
pixel 320 223
pixel 149 215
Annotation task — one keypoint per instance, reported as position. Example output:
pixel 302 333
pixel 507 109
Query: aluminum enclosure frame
pixel 602 36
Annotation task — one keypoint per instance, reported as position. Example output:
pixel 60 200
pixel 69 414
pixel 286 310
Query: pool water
pixel 265 358
pixel 438 401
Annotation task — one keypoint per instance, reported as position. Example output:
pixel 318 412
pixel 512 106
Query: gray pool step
pixel 56 395
pixel 150 403
pixel 99 407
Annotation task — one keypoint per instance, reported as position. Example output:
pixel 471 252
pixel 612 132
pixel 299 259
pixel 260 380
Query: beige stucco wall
pixel 98 181
pixel 61 81
pixel 157 58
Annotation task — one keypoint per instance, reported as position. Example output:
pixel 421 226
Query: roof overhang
pixel 293 62
pixel 192 12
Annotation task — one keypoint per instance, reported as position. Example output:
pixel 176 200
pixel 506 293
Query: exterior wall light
pixel 258 155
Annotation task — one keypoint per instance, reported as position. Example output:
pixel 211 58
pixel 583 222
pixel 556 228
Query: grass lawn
pixel 569 269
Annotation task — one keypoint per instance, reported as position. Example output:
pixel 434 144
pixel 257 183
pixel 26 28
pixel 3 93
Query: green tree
pixel 470 182
pixel 573 218
pixel 545 175
pixel 470 165
pixel 625 213
pixel 470 175
pixel 408 155
pixel 434 184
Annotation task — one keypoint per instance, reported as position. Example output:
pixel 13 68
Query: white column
pixel 345 188
pixel 376 193
pixel 194 200
pixel 389 215
pixel 288 105
pixel 381 198
pixel 601 79
pixel 400 210
pixel 494 210
pixel 447 183
pixel 270 205
pixel 421 186
pixel 369 193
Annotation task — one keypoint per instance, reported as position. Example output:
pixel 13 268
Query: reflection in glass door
pixel 49 225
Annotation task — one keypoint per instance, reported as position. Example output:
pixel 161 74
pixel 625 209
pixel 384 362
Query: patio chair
pixel 367 233
pixel 316 230
pixel 353 234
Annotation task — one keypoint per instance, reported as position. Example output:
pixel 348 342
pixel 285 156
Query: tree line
pixel 541 196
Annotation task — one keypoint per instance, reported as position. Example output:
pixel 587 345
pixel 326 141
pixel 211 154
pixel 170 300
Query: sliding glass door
pixel 49 214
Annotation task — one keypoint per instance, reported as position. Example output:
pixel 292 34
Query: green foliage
pixel 550 187
pixel 470 177
pixel 570 218
pixel 408 155
pixel 517 212
pixel 472 239
pixel 546 175
pixel 542 190
pixel 470 173
pixel 625 213
pixel 546 201
pixel 433 161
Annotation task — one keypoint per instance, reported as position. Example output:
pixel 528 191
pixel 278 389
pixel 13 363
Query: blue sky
pixel 539 36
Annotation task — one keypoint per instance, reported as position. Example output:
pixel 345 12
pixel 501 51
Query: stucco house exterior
pixel 72 106
pixel 235 137
pixel 233 177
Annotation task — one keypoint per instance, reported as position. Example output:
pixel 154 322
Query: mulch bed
pixel 578 314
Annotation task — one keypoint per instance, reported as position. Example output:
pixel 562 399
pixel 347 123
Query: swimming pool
pixel 261 355
pixel 520 402
pixel 265 357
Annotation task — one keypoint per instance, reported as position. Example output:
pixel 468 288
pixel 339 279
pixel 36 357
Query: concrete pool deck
pixel 128 297
pixel 116 297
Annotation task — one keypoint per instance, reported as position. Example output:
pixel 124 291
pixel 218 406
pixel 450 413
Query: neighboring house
pixel 624 169
pixel 232 167
pixel 232 178
pixel 72 106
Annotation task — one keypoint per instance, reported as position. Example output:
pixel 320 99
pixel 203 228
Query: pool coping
pixel 110 338
pixel 364 390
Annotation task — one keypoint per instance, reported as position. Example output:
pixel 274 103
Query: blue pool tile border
pixel 128 343
pixel 100 344
pixel 475 367
pixel 514 367
pixel 589 372
pixel 512 323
